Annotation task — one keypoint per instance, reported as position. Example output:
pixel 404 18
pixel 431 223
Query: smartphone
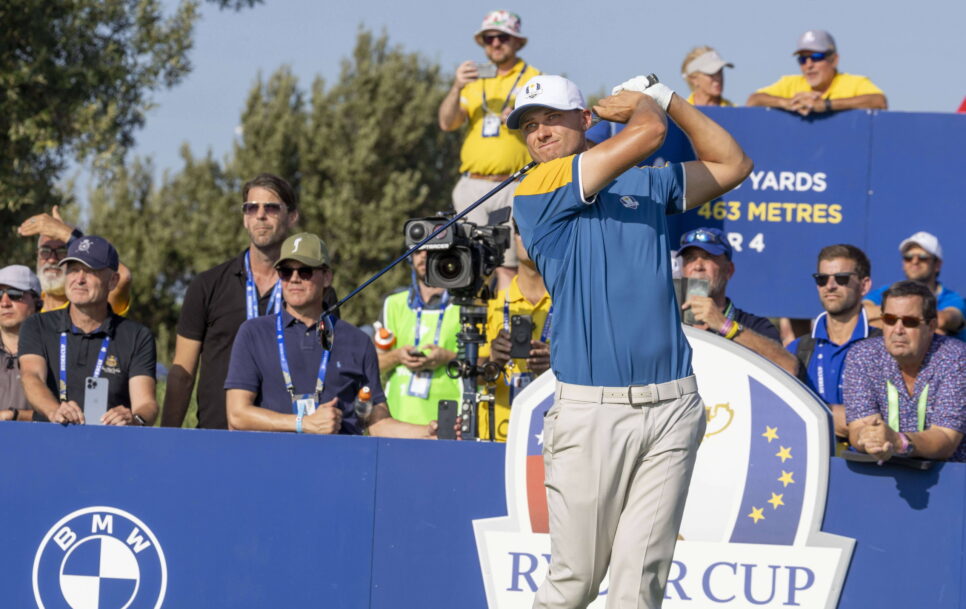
pixel 486 69
pixel 521 330
pixel 95 400
pixel 416 353
pixel 685 288
pixel 446 418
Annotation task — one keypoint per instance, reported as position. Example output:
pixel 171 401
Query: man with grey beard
pixel 54 235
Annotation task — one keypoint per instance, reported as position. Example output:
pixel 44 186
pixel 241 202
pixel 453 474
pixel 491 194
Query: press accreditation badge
pixel 305 403
pixel 419 384
pixel 491 125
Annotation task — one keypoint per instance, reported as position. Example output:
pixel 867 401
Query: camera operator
pixel 526 296
pixel 425 324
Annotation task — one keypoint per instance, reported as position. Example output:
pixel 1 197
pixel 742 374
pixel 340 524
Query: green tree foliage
pixel 364 155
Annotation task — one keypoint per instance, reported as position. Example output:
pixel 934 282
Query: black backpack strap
pixel 803 351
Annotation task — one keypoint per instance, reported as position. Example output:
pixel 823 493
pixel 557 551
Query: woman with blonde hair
pixel 703 70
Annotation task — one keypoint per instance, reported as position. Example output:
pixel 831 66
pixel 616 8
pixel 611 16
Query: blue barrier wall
pixel 862 177
pixel 254 520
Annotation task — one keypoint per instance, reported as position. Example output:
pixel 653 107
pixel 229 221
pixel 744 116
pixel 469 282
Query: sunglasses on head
pixel 804 57
pixel 12 293
pixel 919 257
pixel 52 252
pixel 701 236
pixel 305 272
pixel 251 208
pixel 840 278
pixel 907 320
pixel 489 38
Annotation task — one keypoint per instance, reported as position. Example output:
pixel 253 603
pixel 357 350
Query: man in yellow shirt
pixel 820 87
pixel 490 151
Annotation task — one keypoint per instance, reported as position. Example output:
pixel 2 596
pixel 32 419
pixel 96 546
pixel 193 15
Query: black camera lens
pixel 449 266
pixel 417 231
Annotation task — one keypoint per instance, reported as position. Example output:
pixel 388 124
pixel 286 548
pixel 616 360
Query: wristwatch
pixel 140 420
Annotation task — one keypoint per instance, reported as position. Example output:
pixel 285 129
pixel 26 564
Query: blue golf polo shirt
pixel 255 365
pixel 607 266
pixel 828 359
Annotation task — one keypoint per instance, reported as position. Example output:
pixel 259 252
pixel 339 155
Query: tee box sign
pixel 751 534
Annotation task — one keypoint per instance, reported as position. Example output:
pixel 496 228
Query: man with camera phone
pixel 621 438
pixel 518 323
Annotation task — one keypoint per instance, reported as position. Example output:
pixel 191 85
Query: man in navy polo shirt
pixel 621 438
pixel 282 378
pixel 59 349
pixel 843 278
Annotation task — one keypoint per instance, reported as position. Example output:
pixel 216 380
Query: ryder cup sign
pixel 751 531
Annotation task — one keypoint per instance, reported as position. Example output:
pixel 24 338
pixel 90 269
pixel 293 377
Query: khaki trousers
pixel 617 476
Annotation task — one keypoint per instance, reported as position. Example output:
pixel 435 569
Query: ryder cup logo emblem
pixel 533 89
pixel 99 558
pixel 751 533
pixel 84 245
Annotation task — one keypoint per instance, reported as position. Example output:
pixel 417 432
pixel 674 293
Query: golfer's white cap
pixel 545 91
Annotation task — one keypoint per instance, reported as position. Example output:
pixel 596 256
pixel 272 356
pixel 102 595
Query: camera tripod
pixel 465 367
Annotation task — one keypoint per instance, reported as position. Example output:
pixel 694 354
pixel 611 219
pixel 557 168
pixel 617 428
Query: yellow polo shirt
pixel 724 102
pixel 843 85
pixel 506 152
pixel 494 323
pixel 123 312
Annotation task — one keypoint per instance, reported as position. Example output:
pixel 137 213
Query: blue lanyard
pixel 439 320
pixel 547 323
pixel 101 356
pixel 286 374
pixel 251 293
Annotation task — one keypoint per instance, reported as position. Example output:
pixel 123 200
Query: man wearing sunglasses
pixel 282 377
pixel 490 151
pixel 843 278
pixel 19 299
pixel 922 259
pixel 905 393
pixel 221 298
pixel 620 440
pixel 820 87
pixel 706 254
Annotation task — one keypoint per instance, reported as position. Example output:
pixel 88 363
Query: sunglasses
pixel 840 278
pixel 272 209
pixel 804 57
pixel 52 252
pixel 701 236
pixel 489 38
pixel 305 272
pixel 919 257
pixel 907 320
pixel 12 293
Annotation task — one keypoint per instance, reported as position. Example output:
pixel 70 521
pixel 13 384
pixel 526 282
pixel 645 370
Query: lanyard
pixel 251 294
pixel 893 395
pixel 101 356
pixel 547 323
pixel 439 320
pixel 286 374
pixel 729 311
pixel 506 102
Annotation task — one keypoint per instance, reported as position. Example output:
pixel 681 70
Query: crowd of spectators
pixel 890 362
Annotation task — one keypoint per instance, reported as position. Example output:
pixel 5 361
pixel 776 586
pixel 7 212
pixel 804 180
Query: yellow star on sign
pixel 784 453
pixel 771 433
pixel 776 500
pixel 786 478
pixel 756 514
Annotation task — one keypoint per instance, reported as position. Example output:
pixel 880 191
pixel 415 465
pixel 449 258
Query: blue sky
pixel 916 56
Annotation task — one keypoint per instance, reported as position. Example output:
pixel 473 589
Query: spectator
pixel 54 235
pixel 91 340
pixel 490 151
pixel 528 296
pixel 706 254
pixel 279 378
pixel 703 70
pixel 843 278
pixel 905 393
pixel 19 299
pixel 221 298
pixel 922 259
pixel 821 87
pixel 425 326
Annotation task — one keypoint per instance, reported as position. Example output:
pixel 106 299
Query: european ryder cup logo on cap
pixel 533 89
pixel 99 558
pixel 84 245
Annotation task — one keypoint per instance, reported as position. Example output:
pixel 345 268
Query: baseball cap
pixel 545 91
pixel 711 240
pixel 305 248
pixel 502 21
pixel 818 41
pixel 926 241
pixel 92 251
pixel 20 277
pixel 706 63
